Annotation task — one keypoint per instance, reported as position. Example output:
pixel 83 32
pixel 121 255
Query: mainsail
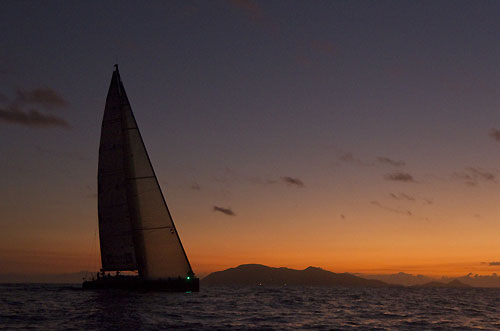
pixel 136 229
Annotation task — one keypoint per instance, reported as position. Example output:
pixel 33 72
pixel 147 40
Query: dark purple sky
pixel 301 118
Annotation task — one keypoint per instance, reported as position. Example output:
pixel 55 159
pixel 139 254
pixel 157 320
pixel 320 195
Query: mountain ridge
pixel 258 274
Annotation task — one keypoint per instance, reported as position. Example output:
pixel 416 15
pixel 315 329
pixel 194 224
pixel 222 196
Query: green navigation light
pixel 188 278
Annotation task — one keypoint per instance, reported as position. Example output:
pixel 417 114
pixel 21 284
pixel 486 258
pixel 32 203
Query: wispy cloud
pixel 231 175
pixel 43 96
pixel 466 178
pixel 388 161
pixel 402 196
pixel 293 181
pixel 195 187
pixel 472 176
pixel 226 211
pixel 392 210
pixel 31 118
pixel 400 177
pixel 410 198
pixel 290 181
pixel 349 158
pixel 22 110
pixel 481 174
pixel 494 263
pixel 495 134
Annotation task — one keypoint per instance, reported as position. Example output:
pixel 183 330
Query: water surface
pixel 66 307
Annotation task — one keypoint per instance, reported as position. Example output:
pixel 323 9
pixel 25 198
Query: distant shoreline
pixel 396 279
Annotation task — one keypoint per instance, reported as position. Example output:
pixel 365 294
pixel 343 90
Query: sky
pixel 355 136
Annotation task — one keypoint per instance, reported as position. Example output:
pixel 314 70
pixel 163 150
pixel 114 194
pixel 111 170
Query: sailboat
pixel 136 230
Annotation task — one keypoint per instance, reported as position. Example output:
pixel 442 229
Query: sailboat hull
pixel 135 283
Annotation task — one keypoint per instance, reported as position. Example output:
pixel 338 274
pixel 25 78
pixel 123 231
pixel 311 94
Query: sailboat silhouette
pixel 136 229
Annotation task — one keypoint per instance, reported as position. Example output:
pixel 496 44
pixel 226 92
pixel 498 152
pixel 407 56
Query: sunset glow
pixel 363 138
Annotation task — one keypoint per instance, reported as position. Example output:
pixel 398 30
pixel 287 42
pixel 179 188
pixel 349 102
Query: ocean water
pixel 66 307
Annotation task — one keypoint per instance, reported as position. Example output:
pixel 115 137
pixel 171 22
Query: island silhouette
pixel 261 275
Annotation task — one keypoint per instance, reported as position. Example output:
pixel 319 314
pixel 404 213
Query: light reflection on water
pixel 66 307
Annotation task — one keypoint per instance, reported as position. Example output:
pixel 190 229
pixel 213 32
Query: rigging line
pixel 92 260
pixel 95 249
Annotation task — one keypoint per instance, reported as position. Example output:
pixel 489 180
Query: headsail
pixel 158 252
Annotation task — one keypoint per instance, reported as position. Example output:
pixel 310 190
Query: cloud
pixel 402 196
pixel 379 160
pixel 342 216
pixel 43 96
pixel 410 198
pixel 400 177
pixel 392 210
pixel 389 161
pixel 16 112
pixel 472 176
pixel 230 175
pixel 226 211
pixel 195 187
pixel 481 174
pixel 495 134
pixel 31 118
pixel 351 159
pixel 495 263
pixel 260 181
pixel 467 179
pixel 293 181
pixel 249 7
